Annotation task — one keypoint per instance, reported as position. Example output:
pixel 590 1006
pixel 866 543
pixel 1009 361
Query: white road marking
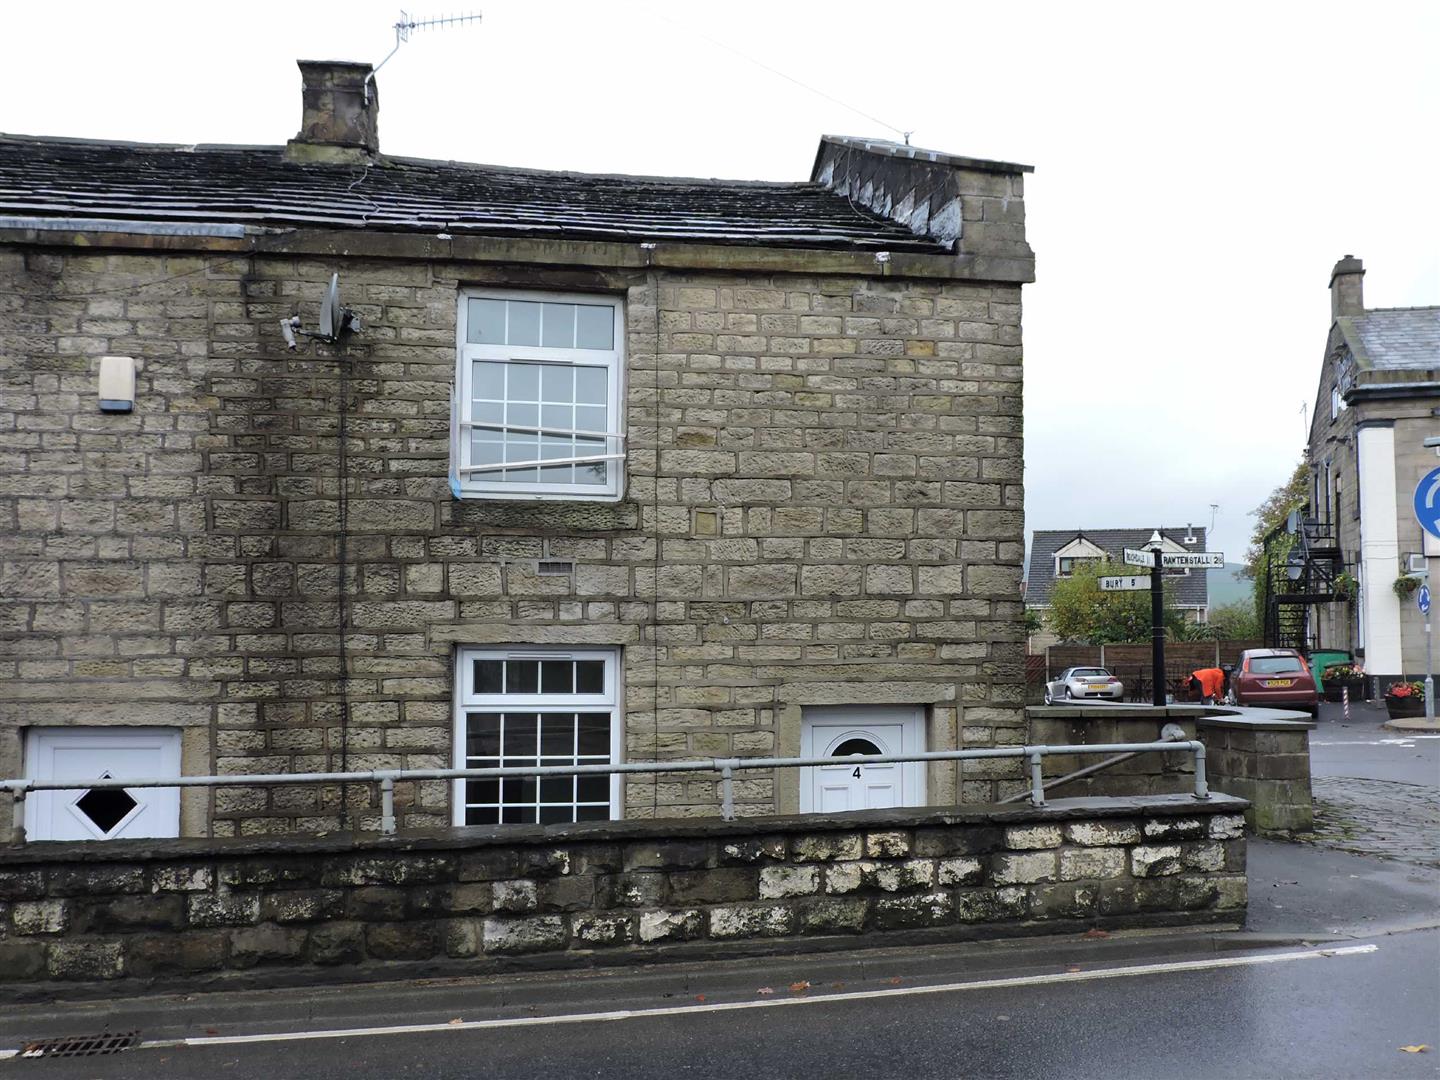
pixel 1253 960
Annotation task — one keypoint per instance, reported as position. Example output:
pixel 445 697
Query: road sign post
pixel 1422 601
pixel 1157 625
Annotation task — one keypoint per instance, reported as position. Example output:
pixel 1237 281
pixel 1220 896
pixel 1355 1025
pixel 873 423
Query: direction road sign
pixel 1422 599
pixel 1128 583
pixel 1192 560
pixel 1427 502
pixel 1139 558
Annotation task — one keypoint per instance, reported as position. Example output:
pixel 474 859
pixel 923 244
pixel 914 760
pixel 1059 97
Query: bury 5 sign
pixel 1125 583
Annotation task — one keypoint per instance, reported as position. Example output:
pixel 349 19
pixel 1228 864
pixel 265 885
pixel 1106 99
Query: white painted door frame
pixel 894 729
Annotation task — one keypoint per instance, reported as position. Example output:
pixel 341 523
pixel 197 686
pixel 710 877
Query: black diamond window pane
pixel 106 807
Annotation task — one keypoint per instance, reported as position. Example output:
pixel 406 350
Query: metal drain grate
pixel 111 1042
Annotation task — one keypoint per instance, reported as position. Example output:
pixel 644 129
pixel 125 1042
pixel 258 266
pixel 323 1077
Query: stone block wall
pixel 1267 763
pixel 823 504
pixel 1145 774
pixel 476 901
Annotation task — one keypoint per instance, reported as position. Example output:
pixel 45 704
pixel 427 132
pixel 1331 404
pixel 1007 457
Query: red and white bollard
pixel 1345 697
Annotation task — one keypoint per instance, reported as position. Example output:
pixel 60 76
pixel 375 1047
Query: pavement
pixel 1336 974
pixel 1376 791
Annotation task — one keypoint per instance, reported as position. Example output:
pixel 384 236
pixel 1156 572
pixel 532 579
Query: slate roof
pixel 1395 339
pixel 256 186
pixel 1189 591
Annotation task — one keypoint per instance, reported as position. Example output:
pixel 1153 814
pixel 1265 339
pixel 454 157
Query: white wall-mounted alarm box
pixel 117 383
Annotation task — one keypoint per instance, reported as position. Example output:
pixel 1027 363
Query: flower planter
pixel 1399 707
pixel 1359 689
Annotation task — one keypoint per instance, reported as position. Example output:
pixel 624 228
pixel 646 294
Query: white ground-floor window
pixel 536 707
pixel 114 753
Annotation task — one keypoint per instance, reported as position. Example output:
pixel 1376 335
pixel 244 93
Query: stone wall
pixel 210 911
pixel 853 442
pixel 1148 773
pixel 1267 763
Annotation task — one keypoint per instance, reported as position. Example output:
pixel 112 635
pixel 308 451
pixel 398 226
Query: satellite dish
pixel 336 322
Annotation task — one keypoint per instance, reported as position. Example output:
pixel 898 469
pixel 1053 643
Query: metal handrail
pixel 726 767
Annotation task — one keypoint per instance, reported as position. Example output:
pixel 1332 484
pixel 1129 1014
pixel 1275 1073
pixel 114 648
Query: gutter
pixel 116 225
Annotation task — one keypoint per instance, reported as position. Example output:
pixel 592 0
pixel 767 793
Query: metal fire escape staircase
pixel 1301 563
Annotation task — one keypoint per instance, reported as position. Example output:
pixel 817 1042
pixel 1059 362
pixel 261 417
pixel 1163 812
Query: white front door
pixel 102 813
pixel 844 730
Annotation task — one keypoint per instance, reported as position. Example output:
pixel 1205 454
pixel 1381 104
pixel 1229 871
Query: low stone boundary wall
pixel 186 913
pixel 1265 761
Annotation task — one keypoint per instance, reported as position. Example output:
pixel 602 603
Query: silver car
pixel 1079 683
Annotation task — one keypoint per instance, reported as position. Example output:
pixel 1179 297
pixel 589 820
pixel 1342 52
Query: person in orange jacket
pixel 1209 683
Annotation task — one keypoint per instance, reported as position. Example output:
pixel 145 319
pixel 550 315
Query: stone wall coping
pixel 1272 720
pixel 1125 711
pixel 632 831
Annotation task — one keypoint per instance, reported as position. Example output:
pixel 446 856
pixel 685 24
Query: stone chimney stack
pixel 340 123
pixel 1347 290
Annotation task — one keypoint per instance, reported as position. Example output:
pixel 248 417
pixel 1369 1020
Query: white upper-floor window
pixel 537 410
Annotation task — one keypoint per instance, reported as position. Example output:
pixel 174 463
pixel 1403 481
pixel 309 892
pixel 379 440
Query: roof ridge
pixel 1416 307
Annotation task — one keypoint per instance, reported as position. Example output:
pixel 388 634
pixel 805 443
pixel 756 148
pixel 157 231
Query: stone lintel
pixel 518 633
pixel 864 693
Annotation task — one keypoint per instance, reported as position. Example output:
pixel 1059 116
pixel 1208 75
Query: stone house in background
pixel 1376 403
pixel 1054 554
pixel 615 468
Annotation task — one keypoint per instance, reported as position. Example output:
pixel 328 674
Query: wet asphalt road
pixel 1360 747
pixel 1342 1017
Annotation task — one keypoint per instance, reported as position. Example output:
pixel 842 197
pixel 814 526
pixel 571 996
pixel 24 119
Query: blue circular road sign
pixel 1427 502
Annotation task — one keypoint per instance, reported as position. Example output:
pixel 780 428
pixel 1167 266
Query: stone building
pixel 1377 402
pixel 614 468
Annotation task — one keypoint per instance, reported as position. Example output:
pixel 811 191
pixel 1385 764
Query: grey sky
pixel 1199 168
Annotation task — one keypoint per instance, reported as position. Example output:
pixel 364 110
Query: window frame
pixel 471 485
pixel 466 700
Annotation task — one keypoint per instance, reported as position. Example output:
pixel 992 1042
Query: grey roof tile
pixel 257 186
pixel 1395 338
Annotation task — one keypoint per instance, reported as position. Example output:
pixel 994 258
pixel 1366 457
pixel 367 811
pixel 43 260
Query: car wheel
pixel 1049 698
pixel 1068 695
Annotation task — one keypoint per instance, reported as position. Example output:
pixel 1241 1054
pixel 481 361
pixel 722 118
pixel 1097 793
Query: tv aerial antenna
pixel 405 26
pixel 337 322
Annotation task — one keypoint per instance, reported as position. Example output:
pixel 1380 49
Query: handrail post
pixel 1037 778
pixel 387 805
pixel 727 792
pixel 1202 787
pixel 17 819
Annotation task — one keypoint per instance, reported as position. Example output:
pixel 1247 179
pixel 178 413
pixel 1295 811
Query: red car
pixel 1275 679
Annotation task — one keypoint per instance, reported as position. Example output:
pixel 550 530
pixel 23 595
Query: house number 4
pixel 856 773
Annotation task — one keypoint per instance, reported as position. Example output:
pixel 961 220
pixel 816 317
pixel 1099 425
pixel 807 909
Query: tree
pixel 1292 495
pixel 1079 611
pixel 1234 622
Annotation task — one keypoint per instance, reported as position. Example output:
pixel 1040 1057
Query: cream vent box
pixel 117 384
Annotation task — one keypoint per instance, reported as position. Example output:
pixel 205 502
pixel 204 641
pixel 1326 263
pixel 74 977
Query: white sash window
pixel 536 413
pixel 527 707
